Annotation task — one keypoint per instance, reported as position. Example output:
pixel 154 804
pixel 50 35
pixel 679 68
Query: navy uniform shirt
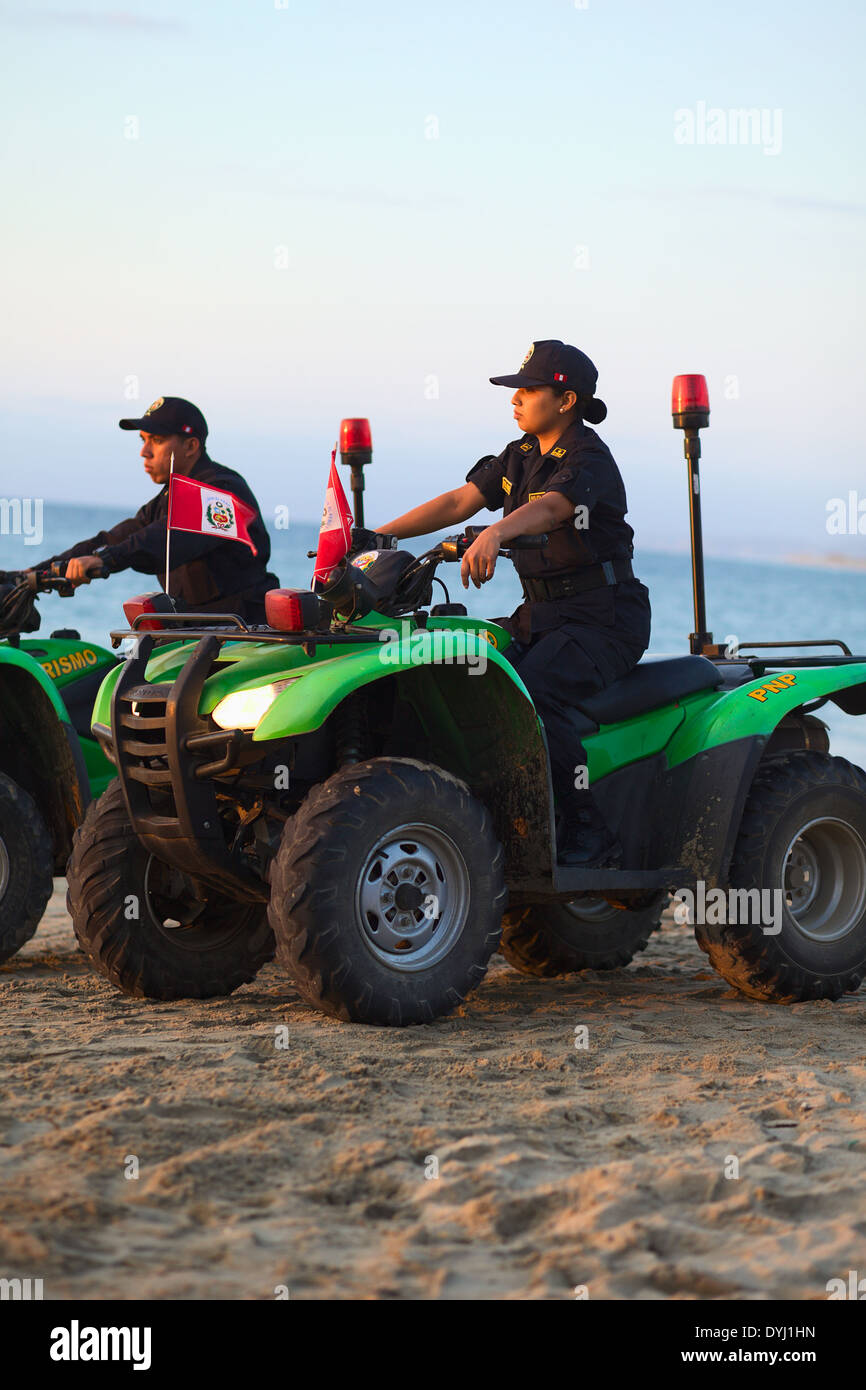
pixel 582 468
pixel 208 573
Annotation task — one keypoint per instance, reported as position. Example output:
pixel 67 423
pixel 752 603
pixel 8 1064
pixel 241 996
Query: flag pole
pixel 168 520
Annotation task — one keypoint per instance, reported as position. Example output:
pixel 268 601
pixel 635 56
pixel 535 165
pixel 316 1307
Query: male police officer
pixel 209 574
pixel 585 619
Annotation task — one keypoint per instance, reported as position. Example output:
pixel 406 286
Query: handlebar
pixel 18 591
pixel 350 589
pixel 53 579
pixel 455 547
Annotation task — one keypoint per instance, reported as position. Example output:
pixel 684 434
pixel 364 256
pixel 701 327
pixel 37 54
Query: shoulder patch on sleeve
pixel 506 485
pixel 534 496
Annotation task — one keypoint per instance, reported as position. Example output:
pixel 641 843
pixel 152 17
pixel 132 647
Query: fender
pixel 306 704
pixel 14 656
pixel 713 757
pixel 102 704
pixel 753 710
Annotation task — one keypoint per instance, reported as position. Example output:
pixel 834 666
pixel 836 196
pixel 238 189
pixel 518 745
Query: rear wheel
pixel 387 893
pixel 549 939
pixel 802 841
pixel 26 867
pixel 150 929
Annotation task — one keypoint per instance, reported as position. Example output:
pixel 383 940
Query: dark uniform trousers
pixel 559 669
pixel 565 649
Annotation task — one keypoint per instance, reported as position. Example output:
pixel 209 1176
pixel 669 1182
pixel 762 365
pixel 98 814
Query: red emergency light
pixel 356 441
pixel 690 402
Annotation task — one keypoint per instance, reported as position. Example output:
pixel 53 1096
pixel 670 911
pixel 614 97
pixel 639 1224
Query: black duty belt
pixel 537 590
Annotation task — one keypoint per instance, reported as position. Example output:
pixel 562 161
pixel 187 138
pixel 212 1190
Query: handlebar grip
pixel 57 570
pixel 455 547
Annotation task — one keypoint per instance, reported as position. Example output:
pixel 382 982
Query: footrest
pixel 567 881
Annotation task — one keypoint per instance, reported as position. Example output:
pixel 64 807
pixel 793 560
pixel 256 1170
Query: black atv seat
pixel 655 681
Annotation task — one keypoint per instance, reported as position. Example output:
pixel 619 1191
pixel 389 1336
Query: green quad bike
pixel 50 764
pixel 375 810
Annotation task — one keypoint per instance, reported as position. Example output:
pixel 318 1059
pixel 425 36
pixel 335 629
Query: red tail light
pixel 355 439
pixel 143 603
pixel 293 610
pixel 690 402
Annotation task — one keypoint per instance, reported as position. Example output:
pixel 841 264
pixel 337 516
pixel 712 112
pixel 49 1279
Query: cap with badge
pixel 550 362
pixel 170 415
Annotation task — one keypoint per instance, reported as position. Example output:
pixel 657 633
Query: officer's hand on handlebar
pixel 479 561
pixel 83 569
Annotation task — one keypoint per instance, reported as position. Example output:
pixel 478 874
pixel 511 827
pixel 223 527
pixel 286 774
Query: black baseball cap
pixel 550 362
pixel 170 415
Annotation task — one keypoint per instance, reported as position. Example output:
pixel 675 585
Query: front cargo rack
pixel 229 627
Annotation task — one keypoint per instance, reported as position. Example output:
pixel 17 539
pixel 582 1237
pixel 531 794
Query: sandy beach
pixel 307 1168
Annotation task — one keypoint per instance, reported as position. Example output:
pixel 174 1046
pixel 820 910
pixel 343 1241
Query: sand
pixel 305 1169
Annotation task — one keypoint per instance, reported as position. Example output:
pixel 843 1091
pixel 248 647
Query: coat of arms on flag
pixel 219 514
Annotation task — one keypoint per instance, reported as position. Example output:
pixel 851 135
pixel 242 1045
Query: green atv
pixel 50 764
pixel 363 787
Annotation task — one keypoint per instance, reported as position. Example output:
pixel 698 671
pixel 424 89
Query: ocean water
pixel 753 600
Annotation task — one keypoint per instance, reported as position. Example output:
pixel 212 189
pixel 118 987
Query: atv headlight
pixel 245 708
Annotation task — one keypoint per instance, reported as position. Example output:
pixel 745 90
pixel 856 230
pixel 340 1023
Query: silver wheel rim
pixel 4 868
pixel 591 909
pixel 412 897
pixel 824 879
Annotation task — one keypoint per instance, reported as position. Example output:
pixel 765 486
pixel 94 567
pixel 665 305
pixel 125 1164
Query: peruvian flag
pixel 335 532
pixel 197 507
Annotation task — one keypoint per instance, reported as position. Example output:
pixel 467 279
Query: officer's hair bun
pixel 593 410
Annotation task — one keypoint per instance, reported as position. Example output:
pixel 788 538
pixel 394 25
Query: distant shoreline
pixel 794 559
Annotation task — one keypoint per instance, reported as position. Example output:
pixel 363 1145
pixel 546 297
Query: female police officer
pixel 585 619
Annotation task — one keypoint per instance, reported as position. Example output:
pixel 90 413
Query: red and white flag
pixel 335 533
pixel 194 506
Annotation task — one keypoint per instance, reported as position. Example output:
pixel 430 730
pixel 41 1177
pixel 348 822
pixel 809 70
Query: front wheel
pixel 387 893
pixel 801 855
pixel 26 867
pixel 151 930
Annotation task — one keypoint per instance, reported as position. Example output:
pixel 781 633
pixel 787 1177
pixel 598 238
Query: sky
pixel 293 212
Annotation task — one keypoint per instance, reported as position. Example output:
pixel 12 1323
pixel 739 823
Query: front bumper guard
pixel 159 751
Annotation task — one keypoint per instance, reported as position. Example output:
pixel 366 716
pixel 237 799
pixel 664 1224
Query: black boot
pixel 585 842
